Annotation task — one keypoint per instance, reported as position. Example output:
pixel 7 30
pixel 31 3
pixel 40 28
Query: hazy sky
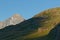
pixel 27 8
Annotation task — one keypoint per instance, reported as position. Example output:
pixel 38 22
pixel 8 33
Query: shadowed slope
pixel 54 34
pixel 20 30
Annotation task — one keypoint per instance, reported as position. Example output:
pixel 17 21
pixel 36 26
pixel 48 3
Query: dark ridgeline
pixel 15 32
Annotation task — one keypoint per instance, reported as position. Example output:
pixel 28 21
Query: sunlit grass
pixel 52 19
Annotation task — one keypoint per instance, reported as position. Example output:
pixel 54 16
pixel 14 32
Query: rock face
pixel 15 19
pixel 1 25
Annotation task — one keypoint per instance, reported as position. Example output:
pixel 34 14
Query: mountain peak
pixel 15 19
pixel 16 15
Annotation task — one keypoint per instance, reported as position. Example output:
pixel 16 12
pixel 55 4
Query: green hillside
pixel 50 18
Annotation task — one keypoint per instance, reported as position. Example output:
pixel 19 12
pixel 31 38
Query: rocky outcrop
pixel 15 19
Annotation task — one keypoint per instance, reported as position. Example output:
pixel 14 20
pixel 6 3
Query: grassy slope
pixel 52 18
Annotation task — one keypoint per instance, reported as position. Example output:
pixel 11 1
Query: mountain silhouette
pixel 43 26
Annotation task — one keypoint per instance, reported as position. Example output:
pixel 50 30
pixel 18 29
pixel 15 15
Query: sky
pixel 26 8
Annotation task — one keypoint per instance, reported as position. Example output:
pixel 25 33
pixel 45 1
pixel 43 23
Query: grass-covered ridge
pixel 50 18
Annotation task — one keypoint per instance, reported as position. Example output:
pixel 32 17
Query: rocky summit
pixel 15 19
pixel 43 26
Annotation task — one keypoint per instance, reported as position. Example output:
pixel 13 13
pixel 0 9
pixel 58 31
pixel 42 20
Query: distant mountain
pixel 43 26
pixel 15 19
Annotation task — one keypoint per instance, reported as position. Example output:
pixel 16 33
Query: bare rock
pixel 15 19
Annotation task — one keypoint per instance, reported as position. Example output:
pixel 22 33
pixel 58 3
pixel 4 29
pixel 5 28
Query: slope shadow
pixel 53 35
pixel 24 28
